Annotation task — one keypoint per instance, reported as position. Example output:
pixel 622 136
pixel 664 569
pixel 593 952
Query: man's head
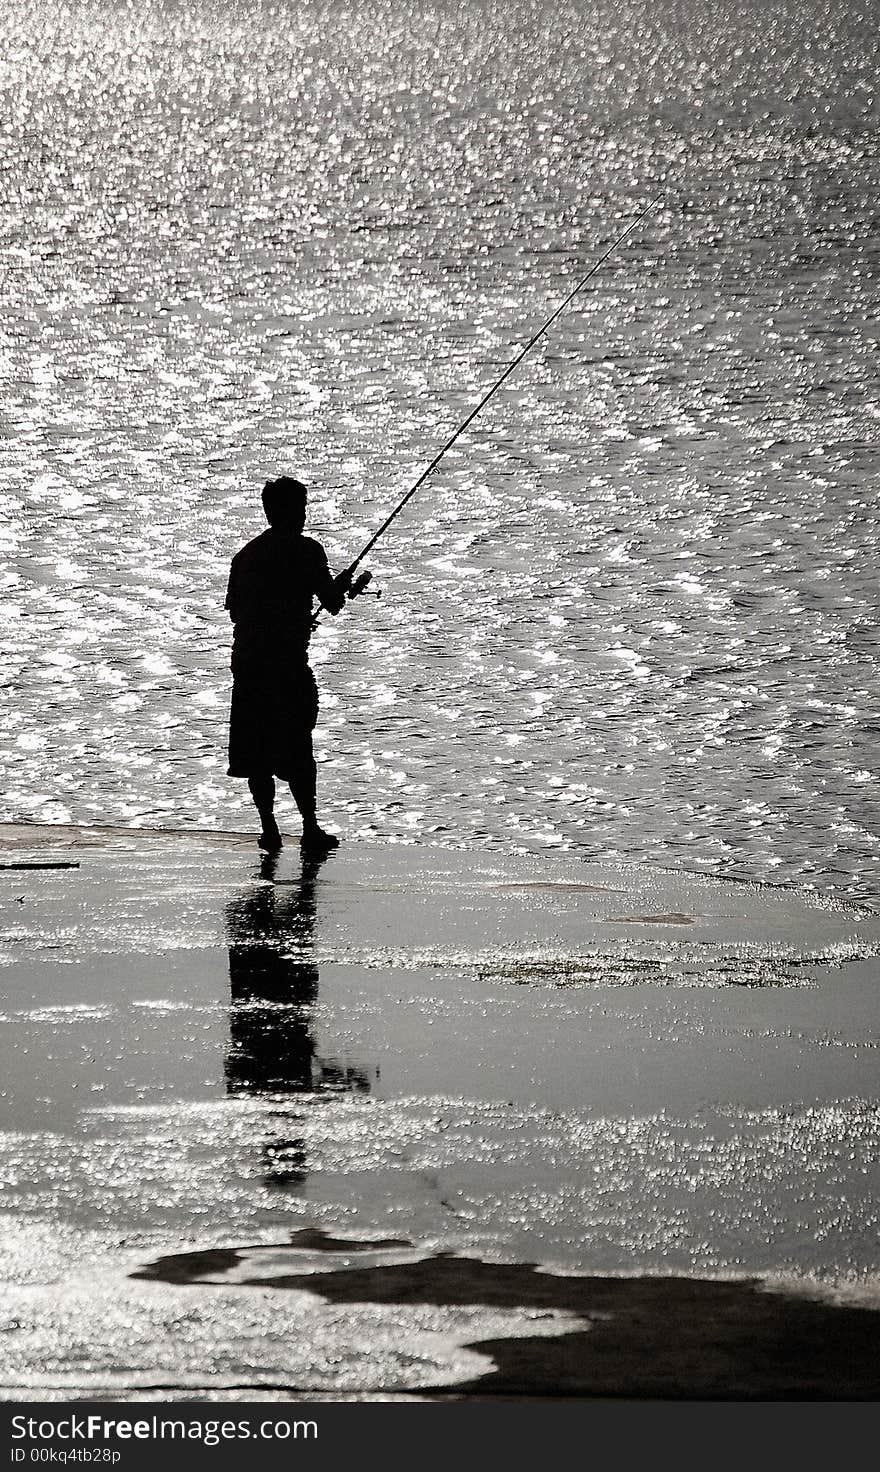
pixel 284 502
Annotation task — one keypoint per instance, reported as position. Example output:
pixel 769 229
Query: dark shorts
pixel 271 721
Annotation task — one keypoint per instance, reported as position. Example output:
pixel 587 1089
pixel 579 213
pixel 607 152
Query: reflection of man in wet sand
pixel 273 985
pixel 272 582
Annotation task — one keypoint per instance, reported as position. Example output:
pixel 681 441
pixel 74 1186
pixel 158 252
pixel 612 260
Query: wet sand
pixel 417 1122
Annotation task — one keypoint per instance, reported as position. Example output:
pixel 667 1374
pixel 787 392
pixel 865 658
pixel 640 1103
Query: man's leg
pixel 303 784
pixel 262 790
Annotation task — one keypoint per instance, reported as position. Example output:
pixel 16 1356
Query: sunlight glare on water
pixel 634 615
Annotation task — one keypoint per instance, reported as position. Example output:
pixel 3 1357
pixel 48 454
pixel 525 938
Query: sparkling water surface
pixel 634 614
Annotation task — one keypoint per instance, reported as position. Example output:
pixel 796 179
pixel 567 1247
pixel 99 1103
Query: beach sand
pixel 416 1122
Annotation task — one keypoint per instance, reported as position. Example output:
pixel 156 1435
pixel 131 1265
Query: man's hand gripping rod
pixel 357 587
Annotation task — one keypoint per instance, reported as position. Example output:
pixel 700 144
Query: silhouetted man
pixel 272 582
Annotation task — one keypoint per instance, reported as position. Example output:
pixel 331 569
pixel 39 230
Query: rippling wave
pixel 635 613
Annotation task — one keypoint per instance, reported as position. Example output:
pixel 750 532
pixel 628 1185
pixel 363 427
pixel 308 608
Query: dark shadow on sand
pixel 643 1337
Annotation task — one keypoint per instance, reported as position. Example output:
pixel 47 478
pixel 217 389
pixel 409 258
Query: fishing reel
pixel 354 590
pixel 359 586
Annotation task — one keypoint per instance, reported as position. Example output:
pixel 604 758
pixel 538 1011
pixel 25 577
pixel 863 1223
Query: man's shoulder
pixel 254 549
pixel 266 544
pixel 313 550
pixel 260 542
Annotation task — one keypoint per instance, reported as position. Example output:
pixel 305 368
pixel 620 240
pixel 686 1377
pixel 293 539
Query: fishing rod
pixel 359 585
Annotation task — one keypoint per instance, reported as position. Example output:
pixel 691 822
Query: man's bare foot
pixel 316 841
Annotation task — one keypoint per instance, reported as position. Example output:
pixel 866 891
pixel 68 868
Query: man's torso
pixel 272 582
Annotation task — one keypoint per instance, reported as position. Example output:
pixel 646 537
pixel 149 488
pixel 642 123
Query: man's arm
pixel 230 593
pixel 328 590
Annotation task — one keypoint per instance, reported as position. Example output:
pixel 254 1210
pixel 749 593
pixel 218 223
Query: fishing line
pixel 360 584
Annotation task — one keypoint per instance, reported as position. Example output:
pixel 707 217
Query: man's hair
pixel 283 498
